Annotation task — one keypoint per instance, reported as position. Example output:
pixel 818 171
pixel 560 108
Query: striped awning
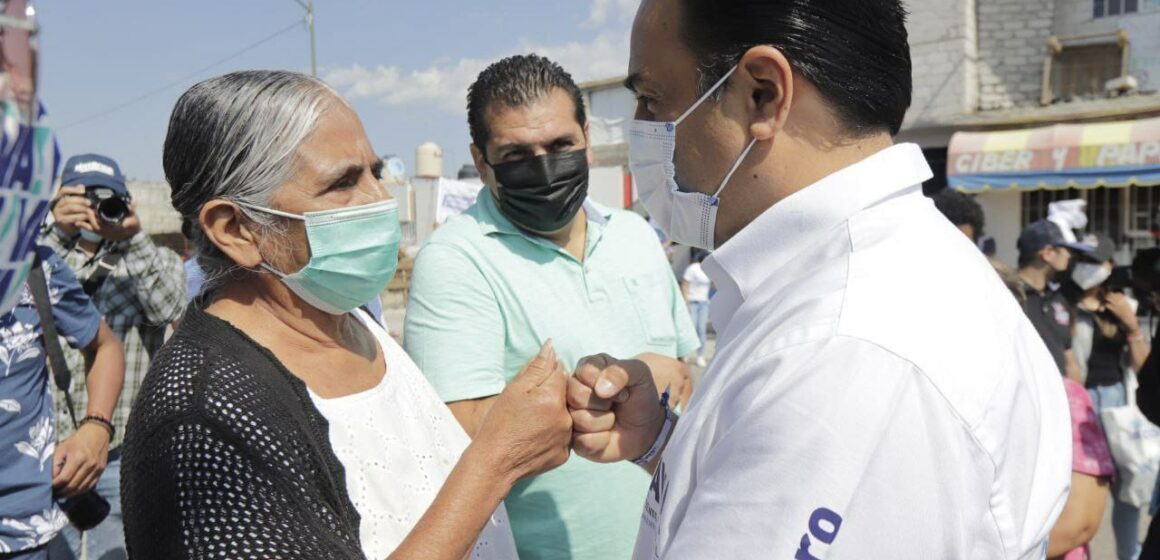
pixel 1084 156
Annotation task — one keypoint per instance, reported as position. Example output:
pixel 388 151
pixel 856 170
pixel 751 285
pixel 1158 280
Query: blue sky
pixel 404 65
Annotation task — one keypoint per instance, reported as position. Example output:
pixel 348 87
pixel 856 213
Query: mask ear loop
pixel 714 200
pixel 265 267
pixel 707 94
pixel 270 211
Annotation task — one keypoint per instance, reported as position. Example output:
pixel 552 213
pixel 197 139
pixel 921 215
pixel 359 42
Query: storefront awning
pixel 1084 156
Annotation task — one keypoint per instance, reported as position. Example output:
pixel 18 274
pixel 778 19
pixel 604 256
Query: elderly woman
pixel 281 421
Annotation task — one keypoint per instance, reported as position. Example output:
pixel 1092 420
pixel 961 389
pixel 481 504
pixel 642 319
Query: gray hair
pixel 236 137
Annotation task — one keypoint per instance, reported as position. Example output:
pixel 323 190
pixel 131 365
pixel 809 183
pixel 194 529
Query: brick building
pixel 1004 73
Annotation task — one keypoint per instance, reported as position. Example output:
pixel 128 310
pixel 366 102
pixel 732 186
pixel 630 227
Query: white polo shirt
pixel 877 392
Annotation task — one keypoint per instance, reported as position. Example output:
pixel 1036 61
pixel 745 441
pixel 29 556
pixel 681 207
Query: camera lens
pixel 113 209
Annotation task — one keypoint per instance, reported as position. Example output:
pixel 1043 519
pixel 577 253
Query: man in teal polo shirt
pixel 535 259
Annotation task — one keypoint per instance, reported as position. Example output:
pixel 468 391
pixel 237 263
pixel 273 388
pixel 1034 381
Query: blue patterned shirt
pixel 29 516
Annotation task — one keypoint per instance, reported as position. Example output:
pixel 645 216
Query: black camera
pixel 1146 270
pixel 109 205
pixel 1120 280
pixel 85 511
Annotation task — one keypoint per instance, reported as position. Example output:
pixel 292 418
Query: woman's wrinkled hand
pixel 528 430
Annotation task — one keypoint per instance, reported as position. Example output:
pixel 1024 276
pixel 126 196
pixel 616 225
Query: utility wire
pixel 182 79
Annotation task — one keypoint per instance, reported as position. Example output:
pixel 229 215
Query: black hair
pixel 517 81
pixel 1146 270
pixel 854 51
pixel 960 209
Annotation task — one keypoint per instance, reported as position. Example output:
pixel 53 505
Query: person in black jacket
pixel 1146 277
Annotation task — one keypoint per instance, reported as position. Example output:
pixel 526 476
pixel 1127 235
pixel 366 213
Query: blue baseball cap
pixel 1047 234
pixel 93 170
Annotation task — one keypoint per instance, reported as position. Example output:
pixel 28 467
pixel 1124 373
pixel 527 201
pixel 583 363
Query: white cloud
pixel 603 10
pixel 445 83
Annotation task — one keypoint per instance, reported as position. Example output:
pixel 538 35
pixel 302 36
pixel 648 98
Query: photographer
pixel 138 287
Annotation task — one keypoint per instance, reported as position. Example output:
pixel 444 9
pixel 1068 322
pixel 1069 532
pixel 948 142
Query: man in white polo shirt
pixel 854 410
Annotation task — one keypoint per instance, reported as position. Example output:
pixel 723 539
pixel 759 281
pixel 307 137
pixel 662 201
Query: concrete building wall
pixel 425 194
pixel 943 39
pixel 1003 213
pixel 154 207
pixel 1076 17
pixel 610 109
pixel 606 186
pixel 1012 45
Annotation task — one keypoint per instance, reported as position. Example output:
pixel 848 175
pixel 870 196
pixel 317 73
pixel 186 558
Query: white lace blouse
pixel 398 443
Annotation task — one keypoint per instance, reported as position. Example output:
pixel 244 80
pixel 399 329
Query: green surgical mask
pixel 353 255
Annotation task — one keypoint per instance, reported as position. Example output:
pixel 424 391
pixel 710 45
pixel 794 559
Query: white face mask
pixel 687 217
pixel 1090 275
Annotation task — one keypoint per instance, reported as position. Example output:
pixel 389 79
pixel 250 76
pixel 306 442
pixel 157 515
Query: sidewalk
pixel 1103 546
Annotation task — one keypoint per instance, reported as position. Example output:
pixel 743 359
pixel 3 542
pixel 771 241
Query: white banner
pixel 454 197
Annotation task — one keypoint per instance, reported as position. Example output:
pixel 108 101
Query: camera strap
pixel 38 285
pixel 105 265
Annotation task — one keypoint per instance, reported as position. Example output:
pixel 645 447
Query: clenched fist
pixel 615 412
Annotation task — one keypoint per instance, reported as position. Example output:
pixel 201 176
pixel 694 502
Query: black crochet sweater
pixel 226 457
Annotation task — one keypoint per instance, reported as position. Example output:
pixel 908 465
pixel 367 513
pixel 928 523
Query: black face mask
pixel 543 193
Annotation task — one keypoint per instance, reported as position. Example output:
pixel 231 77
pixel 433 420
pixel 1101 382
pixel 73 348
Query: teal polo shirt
pixel 485 296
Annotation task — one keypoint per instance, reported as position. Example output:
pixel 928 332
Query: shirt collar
pixel 779 233
pixel 492 221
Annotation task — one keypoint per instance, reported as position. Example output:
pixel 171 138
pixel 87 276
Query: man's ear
pixel 485 172
pixel 768 77
pixel 227 227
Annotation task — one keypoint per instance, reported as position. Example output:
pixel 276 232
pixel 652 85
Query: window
pixel 1143 218
pixel 1081 66
pixel 1103 8
pixel 1104 207
pixel 1084 70
pixel 1130 216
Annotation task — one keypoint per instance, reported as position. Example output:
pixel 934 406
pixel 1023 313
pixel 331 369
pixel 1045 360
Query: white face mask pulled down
pixel 686 216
